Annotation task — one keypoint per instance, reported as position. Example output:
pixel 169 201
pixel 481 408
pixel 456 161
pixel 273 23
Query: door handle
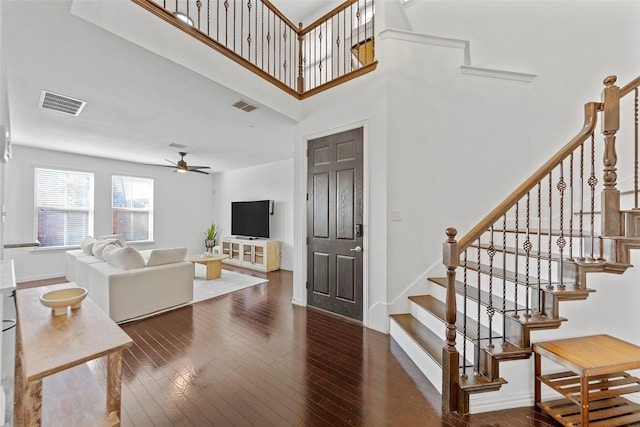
pixel 356 249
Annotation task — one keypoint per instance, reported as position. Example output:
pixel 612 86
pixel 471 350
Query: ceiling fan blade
pixel 173 163
pixel 199 171
pixel 199 167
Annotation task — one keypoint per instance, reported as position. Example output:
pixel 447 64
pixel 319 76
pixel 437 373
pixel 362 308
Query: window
pixel 64 206
pixel 132 206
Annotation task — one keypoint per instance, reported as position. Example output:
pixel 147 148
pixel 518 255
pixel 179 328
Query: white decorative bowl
pixel 60 299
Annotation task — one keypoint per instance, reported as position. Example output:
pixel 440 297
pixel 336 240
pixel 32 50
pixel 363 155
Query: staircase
pixel 507 277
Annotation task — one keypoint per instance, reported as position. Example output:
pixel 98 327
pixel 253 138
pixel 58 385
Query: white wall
pixel 183 206
pixel 480 137
pixel 271 181
pixel 4 119
pixel 444 147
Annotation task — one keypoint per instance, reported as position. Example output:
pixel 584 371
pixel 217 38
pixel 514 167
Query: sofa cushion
pixel 166 256
pixel 108 249
pixel 87 245
pixel 100 244
pixel 121 242
pixel 126 258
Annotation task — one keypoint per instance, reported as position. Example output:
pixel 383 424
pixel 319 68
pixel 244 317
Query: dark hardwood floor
pixel 251 358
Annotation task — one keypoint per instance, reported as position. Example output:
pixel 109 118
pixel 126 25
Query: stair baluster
pixel 593 181
pixel 635 148
pixel 491 251
pixel 479 298
pixel 550 233
pixel 527 246
pixel 561 242
pixel 515 267
pixel 504 276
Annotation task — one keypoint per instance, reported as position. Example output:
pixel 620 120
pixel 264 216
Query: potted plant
pixel 210 239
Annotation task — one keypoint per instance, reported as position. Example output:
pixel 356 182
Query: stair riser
pixel 436 325
pixel 430 369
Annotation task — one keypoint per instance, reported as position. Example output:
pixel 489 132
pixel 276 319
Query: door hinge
pixel 307 241
pixel 306 285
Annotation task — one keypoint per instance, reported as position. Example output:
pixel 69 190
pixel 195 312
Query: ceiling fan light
pixel 181 169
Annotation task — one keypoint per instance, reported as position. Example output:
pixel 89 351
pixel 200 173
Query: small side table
pixel 596 380
pixel 212 261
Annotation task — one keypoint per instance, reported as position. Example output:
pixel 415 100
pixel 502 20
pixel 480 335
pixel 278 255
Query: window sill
pixel 54 248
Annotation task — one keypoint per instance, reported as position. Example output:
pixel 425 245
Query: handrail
pixel 336 48
pixel 630 86
pixel 327 16
pixel 590 112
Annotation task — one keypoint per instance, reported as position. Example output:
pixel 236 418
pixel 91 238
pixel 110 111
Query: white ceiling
pixel 137 102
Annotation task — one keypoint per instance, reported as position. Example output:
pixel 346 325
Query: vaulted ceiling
pixel 137 102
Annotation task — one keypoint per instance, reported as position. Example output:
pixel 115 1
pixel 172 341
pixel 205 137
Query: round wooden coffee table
pixel 212 261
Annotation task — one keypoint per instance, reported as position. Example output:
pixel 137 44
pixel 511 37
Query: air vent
pixel 61 103
pixel 176 145
pixel 244 106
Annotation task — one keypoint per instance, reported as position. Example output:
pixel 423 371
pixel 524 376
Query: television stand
pixel 255 254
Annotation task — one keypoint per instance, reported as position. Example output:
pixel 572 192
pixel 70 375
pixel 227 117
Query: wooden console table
pixel 48 345
pixel 596 380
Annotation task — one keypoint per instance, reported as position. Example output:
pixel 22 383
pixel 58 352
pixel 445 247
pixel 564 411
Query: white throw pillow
pixel 126 258
pixel 108 249
pixel 121 242
pixel 166 256
pixel 87 245
pixel 99 245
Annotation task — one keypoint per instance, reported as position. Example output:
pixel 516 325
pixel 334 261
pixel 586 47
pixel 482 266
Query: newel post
pixel 611 217
pixel 450 356
pixel 300 75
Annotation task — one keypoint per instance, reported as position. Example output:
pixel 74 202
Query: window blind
pixel 132 207
pixel 64 206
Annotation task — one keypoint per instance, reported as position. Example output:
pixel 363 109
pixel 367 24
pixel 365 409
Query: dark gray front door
pixel 334 223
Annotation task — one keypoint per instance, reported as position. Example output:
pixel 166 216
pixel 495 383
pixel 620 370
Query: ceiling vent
pixel 244 106
pixel 61 103
pixel 176 145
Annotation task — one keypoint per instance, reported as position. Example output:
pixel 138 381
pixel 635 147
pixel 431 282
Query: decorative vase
pixel 209 243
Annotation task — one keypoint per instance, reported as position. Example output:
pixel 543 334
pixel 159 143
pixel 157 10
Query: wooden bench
pixel 594 383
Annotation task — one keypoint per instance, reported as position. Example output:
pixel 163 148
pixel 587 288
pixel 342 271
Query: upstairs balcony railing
pixel 300 60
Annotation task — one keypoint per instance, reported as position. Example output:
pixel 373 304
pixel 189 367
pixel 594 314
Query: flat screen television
pixel 250 219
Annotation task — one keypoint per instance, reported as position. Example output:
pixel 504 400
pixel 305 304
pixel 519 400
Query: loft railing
pixel 534 241
pixel 301 61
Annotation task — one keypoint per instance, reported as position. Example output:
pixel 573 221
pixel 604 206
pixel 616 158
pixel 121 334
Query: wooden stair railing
pixel 533 251
pixel 302 61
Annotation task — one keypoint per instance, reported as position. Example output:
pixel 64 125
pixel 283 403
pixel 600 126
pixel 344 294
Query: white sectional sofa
pixel 128 284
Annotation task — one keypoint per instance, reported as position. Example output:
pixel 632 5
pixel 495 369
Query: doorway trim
pixel 302 215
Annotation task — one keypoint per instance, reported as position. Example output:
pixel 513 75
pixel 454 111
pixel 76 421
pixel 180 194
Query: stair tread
pixel 439 309
pixel 506 351
pixel 423 336
pixel 472 293
pixel 539 321
pixel 433 345
pixel 479 383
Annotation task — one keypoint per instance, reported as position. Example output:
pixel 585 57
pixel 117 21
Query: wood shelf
pixel 595 383
pixel 256 254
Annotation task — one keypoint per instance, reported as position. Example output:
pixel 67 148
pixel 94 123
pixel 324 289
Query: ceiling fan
pixel 182 166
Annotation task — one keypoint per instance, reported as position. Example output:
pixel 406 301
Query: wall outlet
pixel 396 215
